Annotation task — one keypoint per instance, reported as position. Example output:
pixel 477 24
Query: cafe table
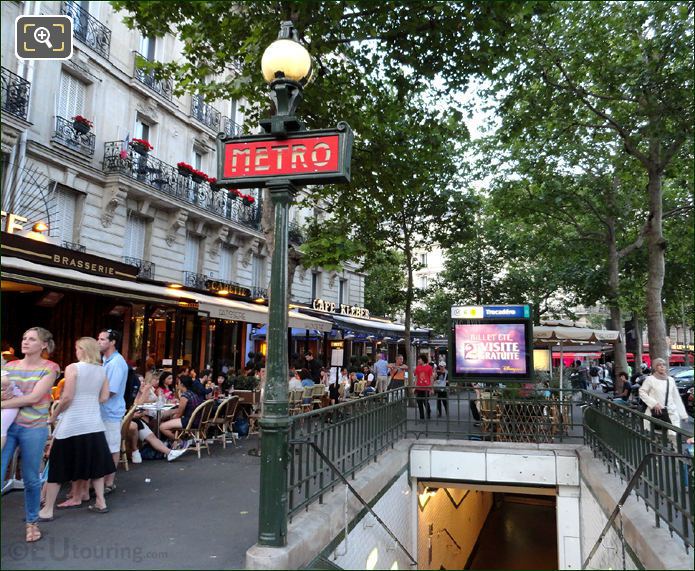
pixel 157 410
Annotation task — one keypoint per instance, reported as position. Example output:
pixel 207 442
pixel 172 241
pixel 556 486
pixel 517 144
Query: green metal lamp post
pixel 285 64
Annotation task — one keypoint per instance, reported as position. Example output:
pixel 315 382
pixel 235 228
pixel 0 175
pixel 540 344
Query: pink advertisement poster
pixel 491 348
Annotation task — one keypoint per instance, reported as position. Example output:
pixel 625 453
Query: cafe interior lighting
pixel 223 292
pixel 175 285
pixel 40 227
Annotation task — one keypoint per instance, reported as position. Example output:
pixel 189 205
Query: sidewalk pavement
pixel 186 514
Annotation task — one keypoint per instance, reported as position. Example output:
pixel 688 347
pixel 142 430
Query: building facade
pixel 103 196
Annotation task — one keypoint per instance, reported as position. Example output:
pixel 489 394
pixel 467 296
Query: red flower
pixel 212 180
pixel 142 142
pixel 184 166
pixel 83 120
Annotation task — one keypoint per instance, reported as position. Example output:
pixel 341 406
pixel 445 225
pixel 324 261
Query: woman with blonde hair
pixel 80 451
pixel 34 377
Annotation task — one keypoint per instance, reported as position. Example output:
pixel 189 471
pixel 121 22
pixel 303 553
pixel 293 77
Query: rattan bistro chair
pixel 197 433
pixel 125 424
pixel 295 401
pixel 224 418
pixel 317 395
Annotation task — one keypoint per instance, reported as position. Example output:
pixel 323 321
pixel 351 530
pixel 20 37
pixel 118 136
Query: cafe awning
pixel 50 276
pixel 377 327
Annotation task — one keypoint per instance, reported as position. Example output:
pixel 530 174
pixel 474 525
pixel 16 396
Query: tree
pixel 617 68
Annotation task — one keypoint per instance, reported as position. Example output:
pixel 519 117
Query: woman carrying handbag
pixel 660 394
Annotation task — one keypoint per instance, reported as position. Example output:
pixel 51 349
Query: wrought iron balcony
pixel 149 170
pixel 67 135
pixel 295 234
pixel 88 29
pixel 196 281
pixel 163 87
pixel 230 128
pixel 74 246
pixel 146 268
pixel 15 94
pixel 206 114
pixel 258 292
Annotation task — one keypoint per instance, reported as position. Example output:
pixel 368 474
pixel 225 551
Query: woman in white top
pixel 653 394
pixel 79 451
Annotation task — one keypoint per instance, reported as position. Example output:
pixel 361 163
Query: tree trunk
pixel 408 318
pixel 639 342
pixel 656 246
pixel 620 356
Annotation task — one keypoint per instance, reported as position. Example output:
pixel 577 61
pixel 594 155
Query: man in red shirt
pixel 424 374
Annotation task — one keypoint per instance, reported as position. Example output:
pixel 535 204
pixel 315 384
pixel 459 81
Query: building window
pixel 71 97
pixel 343 292
pixel 134 242
pixel 226 269
pixel 190 262
pixel 315 285
pixel 61 213
pixel 423 282
pixel 423 259
pixel 257 271
pixel 142 130
pixel 148 47
pixel 198 161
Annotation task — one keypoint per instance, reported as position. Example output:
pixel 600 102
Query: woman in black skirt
pixel 79 451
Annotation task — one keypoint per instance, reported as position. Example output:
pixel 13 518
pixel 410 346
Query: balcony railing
pixel 146 268
pixel 15 94
pixel 295 234
pixel 88 29
pixel 163 87
pixel 206 114
pixel 230 128
pixel 194 280
pixel 118 158
pixel 67 135
pixel 259 292
pixel 74 246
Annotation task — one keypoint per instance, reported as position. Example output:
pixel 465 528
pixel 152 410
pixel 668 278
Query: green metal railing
pixel 622 437
pixel 353 433
pixel 495 414
pixel 350 435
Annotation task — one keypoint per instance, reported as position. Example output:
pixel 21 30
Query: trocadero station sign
pixel 302 157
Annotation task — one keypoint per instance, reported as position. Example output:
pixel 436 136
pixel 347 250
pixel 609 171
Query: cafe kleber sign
pixel 304 157
pixel 340 308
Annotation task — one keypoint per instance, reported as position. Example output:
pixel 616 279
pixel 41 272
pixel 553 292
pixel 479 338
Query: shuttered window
pixel 190 263
pixel 257 270
pixel 71 97
pixel 226 264
pixel 62 214
pixel 134 243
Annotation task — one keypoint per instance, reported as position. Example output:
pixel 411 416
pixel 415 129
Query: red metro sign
pixel 303 157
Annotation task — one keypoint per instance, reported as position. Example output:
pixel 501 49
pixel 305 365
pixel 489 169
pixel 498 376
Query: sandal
pixel 33 533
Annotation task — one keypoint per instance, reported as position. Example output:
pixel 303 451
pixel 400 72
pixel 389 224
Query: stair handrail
pixel 355 493
pixel 626 494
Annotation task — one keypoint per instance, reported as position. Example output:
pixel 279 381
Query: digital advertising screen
pixel 491 343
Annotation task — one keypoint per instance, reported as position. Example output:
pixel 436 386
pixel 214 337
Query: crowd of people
pixel 75 421
pixel 374 377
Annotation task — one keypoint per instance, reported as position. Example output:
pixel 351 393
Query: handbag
pixel 663 415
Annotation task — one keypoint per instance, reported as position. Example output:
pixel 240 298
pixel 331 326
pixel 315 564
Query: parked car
pixel 684 382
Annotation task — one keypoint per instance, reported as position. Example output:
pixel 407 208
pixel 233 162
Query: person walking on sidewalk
pixel 423 386
pixel 113 410
pixel 34 376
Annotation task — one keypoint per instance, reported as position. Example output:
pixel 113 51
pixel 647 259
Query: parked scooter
pixel 607 385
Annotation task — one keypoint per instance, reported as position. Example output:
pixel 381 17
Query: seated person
pixel 623 388
pixel 138 431
pixel 368 390
pixel 295 382
pixel 305 376
pixel 188 401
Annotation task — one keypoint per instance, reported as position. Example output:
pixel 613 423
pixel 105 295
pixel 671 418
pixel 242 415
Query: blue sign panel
pixel 506 311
